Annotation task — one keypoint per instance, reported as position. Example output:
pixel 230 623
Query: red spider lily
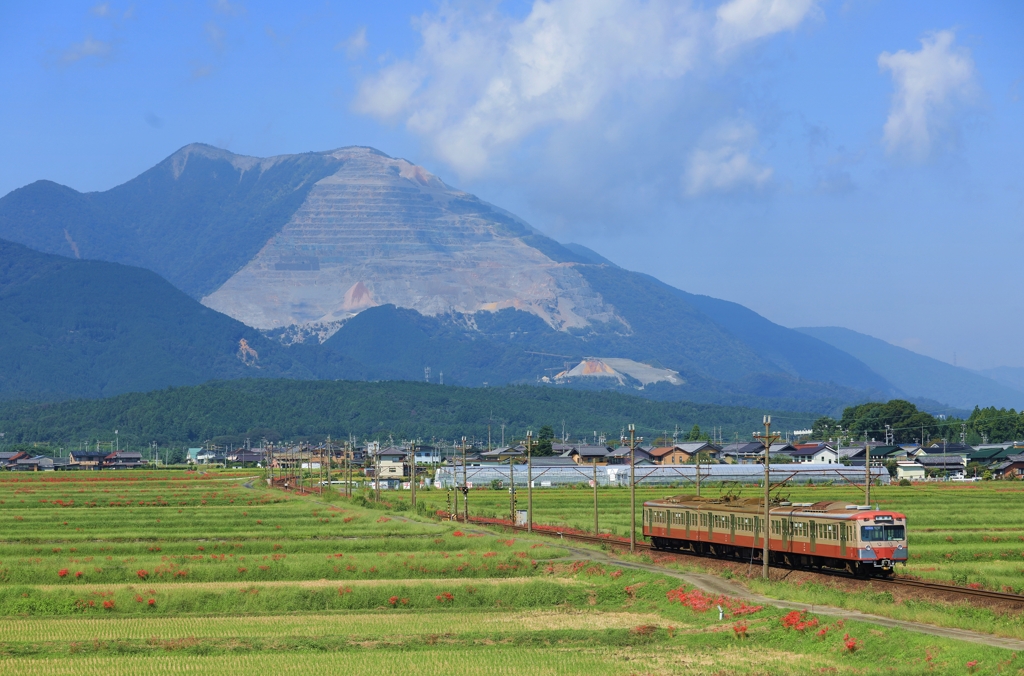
pixel 63 572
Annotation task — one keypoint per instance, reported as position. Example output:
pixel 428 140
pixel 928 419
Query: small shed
pixel 911 471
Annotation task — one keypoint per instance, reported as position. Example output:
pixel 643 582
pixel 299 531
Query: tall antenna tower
pixel 442 377
pixel 426 373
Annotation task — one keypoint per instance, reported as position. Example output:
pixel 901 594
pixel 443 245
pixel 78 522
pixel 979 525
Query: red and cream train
pixel 819 535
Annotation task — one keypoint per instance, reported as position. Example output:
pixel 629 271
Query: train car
pixel 818 535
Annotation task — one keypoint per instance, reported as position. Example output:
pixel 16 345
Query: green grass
pixel 420 597
pixel 970 533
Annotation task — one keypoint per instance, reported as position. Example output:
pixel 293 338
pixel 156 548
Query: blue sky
pixel 851 163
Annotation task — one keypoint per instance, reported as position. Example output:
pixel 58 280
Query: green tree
pixel 825 427
pixel 903 417
pixel 997 425
pixel 694 433
pixel 545 437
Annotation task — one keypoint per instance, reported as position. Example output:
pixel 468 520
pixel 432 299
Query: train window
pixel 882 533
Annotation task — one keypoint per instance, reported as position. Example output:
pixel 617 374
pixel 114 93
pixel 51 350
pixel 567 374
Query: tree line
pixel 905 423
pixel 230 412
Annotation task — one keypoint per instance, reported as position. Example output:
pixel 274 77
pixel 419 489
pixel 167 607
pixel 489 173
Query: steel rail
pixel 953 589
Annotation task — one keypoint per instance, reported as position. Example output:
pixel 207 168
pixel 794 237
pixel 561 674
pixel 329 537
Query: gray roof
pixel 742 447
pixel 940 461
pixel 504 452
pixel 552 461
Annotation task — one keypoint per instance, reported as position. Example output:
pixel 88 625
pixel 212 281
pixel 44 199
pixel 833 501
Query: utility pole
pixel 529 480
pixel 455 482
pixel 465 482
pixel 596 531
pixel 412 473
pixel 766 439
pixel 698 474
pixel 867 471
pixel 632 489
pixel 376 471
pixel 945 472
pixel 512 488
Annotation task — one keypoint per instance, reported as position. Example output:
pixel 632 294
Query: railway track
pixel 953 589
pixel 1016 599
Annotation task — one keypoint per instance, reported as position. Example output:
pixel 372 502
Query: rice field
pixel 171 572
pixel 968 533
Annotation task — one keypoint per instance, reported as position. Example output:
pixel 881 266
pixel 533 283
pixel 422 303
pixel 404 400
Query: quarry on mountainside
pixel 383 231
pixel 622 371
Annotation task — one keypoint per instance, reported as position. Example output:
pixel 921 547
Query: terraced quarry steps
pixel 383 231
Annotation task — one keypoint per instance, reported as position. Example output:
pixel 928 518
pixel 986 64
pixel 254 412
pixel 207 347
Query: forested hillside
pixel 93 329
pixel 291 410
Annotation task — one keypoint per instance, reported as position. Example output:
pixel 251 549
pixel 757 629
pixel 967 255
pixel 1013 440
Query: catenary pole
pixel 632 489
pixel 512 488
pixel 412 475
pixel 529 481
pixel 465 483
pixel 867 472
pixel 766 439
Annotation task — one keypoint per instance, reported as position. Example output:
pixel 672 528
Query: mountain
pixel 1011 376
pixel 194 219
pixel 920 376
pixel 369 266
pixel 72 328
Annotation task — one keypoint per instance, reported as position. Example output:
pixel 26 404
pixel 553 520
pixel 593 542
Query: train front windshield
pixel 882 533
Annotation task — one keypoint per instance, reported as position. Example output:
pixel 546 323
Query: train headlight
pixel 899 546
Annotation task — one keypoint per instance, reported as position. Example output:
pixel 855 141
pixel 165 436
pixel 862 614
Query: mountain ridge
pixel 314 248
pixel 918 375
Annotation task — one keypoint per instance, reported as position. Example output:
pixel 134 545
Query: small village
pixel 572 462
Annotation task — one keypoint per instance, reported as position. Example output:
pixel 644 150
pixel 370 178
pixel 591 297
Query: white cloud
pixel 390 93
pixel 483 82
pixel 87 48
pixel 229 8
pixel 741 21
pixel 201 70
pixel 930 84
pixel 724 163
pixel 214 35
pixel 102 9
pixel 355 44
